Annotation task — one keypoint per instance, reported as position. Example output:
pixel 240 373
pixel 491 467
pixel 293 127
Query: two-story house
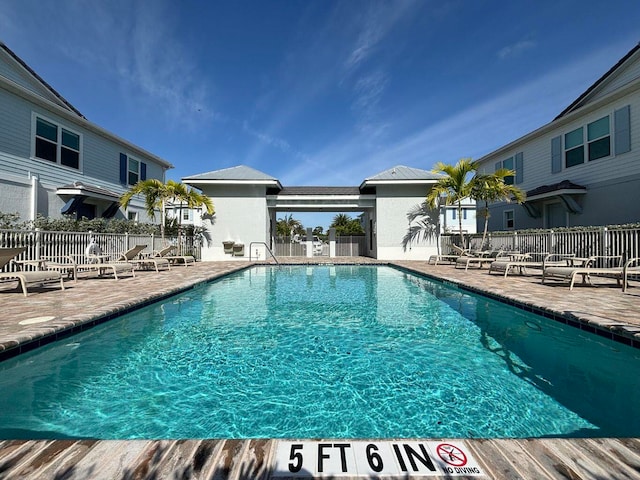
pixel 582 168
pixel 53 161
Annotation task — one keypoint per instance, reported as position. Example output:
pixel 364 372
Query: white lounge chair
pixel 598 265
pixel 536 260
pixel 24 277
pixel 479 259
pixel 166 253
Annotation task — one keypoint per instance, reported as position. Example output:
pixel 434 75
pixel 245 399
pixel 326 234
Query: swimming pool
pixel 324 351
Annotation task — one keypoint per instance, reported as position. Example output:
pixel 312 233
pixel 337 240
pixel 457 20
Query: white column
pixel 309 242
pixel 332 242
pixel 34 197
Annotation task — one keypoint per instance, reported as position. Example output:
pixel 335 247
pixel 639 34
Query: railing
pixel 41 243
pixel 581 242
pixel 265 246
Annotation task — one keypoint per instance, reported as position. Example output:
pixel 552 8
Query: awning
pixel 565 191
pixel 76 193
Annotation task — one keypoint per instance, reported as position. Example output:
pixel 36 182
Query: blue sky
pixel 319 92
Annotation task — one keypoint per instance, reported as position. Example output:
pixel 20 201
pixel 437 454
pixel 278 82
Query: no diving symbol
pixel 452 455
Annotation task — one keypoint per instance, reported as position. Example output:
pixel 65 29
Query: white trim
pixel 231 182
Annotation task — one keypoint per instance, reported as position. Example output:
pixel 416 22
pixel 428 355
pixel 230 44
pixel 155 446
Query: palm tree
pixel 491 187
pixel 155 195
pixel 453 187
pixel 426 226
pixel 288 226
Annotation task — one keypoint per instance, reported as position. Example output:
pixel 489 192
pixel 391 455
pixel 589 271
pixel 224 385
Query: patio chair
pixel 27 278
pixel 598 265
pixel 71 265
pixel 479 259
pixel 166 253
pixel 521 262
pixel 134 256
pixel 631 269
pixel 457 252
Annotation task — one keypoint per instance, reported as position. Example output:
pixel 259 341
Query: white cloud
pixel 472 132
pixel 516 49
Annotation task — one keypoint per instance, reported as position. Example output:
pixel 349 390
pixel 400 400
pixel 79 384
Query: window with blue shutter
pixel 519 168
pixel 556 154
pixel 123 169
pixel 622 129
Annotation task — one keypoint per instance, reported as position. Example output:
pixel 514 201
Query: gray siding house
pixel 53 161
pixel 582 168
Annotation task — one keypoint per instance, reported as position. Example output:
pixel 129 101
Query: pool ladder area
pixel 265 246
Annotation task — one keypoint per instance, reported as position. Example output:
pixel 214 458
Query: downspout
pixel 33 213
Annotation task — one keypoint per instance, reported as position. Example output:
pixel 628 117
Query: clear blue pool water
pixel 323 351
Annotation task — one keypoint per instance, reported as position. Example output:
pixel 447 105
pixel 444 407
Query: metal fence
pixel 583 243
pixel 40 243
pixel 346 246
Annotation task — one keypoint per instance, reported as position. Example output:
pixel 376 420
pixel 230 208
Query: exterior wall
pixel 241 216
pixel 611 182
pixel 99 163
pixel 393 202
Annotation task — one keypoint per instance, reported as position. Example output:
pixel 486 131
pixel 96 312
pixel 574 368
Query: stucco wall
pixel 393 202
pixel 241 216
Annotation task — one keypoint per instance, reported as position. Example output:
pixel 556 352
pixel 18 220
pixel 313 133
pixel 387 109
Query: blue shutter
pixel 497 166
pixel 124 169
pixel 622 129
pixel 143 171
pixel 519 168
pixel 556 154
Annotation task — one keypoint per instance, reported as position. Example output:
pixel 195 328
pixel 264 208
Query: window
pixel 56 144
pixel 186 214
pixel 598 138
pixel 133 216
pixel 509 222
pixel 464 213
pixel 574 147
pixel 509 164
pixel 598 142
pixel 131 170
pixel 134 171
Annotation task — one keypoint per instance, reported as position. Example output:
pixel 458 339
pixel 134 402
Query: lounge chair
pixel 27 278
pixel 455 253
pixel 479 259
pixel 631 268
pixel 134 255
pixel 529 260
pixel 72 266
pixel 598 265
pixel 166 253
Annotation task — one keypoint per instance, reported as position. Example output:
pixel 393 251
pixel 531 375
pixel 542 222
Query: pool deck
pixel 50 313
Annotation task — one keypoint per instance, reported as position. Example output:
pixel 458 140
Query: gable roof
pixel 239 174
pixel 600 83
pixel 401 174
pixel 40 80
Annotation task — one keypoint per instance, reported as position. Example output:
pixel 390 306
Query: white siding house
pixel 54 161
pixel 582 168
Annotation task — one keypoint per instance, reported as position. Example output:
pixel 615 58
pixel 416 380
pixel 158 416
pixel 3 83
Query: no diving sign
pixel 374 459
